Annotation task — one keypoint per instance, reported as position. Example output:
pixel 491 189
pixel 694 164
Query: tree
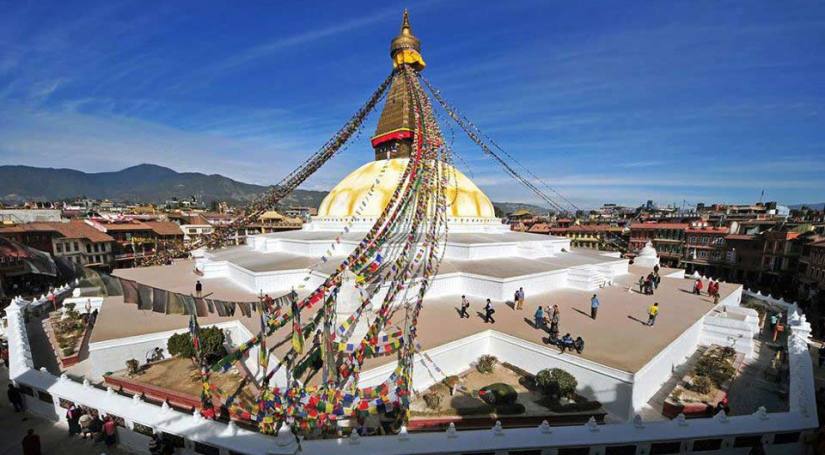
pixel 556 382
pixel 211 338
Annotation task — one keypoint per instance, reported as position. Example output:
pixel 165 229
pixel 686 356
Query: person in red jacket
pixel 697 287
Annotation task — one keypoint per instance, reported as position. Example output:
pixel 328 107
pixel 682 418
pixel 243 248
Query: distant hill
pixel 142 183
pixel 157 184
pixel 503 208
pixel 813 206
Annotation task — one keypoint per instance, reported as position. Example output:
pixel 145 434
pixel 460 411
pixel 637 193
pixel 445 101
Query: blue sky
pixel 606 101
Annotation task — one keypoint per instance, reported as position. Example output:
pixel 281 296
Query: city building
pixel 77 241
pixel 592 236
pixel 705 248
pixel 667 238
pixel 813 256
pixel 136 240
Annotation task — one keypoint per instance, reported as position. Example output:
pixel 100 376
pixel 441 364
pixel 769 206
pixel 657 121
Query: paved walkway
pixel 54 439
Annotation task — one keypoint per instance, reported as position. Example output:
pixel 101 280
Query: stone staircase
pixel 587 277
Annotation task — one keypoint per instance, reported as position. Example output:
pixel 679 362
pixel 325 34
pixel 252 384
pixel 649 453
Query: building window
pixel 58 247
pixel 76 246
pixel 88 248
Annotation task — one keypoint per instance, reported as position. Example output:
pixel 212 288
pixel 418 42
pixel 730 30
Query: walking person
pixel 772 321
pixel 31 443
pixel 538 317
pixel 465 305
pixel 488 312
pixel 15 398
pixel 641 285
pixel 594 306
pixel 73 417
pixel 554 322
pixel 198 289
pixel 109 431
pixel 520 301
pixel 697 286
pixel 651 314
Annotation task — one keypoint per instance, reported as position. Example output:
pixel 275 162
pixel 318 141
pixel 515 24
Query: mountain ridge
pixel 141 183
pixel 148 182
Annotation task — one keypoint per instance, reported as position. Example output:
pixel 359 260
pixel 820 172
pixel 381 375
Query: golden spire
pixel 406 48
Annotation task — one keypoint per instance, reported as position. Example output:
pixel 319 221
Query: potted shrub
pixel 133 367
pixel 432 400
pixel 486 363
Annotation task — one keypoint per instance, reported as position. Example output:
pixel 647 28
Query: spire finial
pixel 405 22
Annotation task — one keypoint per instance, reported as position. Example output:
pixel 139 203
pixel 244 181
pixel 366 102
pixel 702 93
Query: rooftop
pixel 659 226
pixel 74 229
pixel 617 338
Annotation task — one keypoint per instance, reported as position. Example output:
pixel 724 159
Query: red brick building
pixel 705 249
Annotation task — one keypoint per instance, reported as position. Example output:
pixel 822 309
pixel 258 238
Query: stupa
pixel 647 257
pixel 483 257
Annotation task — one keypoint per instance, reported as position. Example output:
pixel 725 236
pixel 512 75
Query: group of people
pixel 650 283
pixel 88 424
pixel 713 289
pixel 489 310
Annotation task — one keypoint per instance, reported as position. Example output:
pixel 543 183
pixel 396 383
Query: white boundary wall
pixel 801 417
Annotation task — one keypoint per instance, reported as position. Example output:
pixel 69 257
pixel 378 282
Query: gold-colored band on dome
pixel 464 198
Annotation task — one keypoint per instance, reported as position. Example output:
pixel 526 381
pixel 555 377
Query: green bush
pixel 67 351
pixel 498 394
pixel 212 339
pixel 701 384
pixel 70 306
pixel 557 383
pixel 486 363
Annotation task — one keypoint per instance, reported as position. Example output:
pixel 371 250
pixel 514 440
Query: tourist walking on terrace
pixel 697 286
pixel 465 305
pixel 488 312
pixel 15 398
pixel 594 306
pixel 520 298
pixel 651 314
pixel 198 288
pixel 641 285
pixel 538 317
pixel 554 322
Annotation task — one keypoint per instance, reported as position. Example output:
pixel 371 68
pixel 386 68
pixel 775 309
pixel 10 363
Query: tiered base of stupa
pixel 483 258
